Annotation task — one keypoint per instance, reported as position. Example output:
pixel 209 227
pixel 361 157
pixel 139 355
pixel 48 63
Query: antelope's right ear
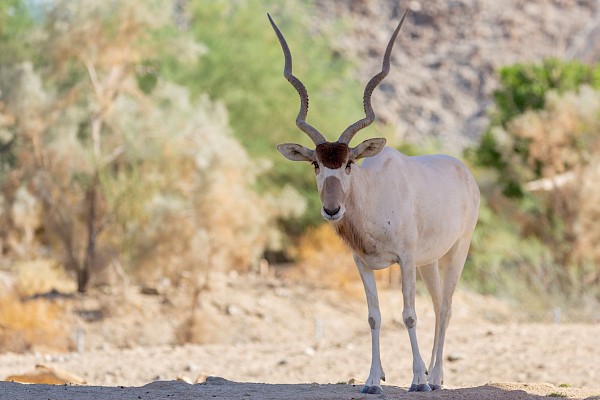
pixel 296 152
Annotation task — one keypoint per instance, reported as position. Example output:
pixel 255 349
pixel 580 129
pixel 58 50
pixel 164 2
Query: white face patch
pixel 333 186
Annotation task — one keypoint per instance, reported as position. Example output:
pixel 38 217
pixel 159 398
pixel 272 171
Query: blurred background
pixel 138 160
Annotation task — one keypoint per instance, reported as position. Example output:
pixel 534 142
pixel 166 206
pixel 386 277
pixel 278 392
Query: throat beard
pixel 349 233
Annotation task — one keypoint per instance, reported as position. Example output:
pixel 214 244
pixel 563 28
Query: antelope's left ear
pixel 368 148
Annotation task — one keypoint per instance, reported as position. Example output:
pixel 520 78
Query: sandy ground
pixel 270 339
pixel 223 389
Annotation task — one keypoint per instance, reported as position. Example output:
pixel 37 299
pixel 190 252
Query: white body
pixel 419 212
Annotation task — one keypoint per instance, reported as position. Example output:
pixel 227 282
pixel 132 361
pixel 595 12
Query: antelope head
pixel 333 161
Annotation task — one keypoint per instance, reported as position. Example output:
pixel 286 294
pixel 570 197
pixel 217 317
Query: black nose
pixel 331 212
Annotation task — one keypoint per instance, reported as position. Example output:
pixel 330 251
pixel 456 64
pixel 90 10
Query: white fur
pixel 419 212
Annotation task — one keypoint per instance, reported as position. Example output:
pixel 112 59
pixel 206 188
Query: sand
pixel 269 339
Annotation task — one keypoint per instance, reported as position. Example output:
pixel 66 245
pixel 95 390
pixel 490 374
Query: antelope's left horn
pixel 350 131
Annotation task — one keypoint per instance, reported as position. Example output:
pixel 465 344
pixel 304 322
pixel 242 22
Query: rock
pixel 192 368
pixel 447 54
pixel 215 380
pixel 454 357
pixel 201 378
pixel 233 310
pixel 355 381
pixel 44 374
pixel 185 379
pixel 150 291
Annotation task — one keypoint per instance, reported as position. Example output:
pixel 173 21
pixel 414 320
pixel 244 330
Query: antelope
pixel 418 212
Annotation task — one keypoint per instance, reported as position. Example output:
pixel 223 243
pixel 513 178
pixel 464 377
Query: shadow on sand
pixel 219 388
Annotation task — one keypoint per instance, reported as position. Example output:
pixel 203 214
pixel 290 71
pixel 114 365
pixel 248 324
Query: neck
pixel 350 227
pixel 357 197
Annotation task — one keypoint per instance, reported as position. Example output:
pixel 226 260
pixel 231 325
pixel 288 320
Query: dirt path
pixel 223 389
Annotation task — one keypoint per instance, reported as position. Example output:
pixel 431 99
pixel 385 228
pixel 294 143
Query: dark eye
pixel 316 165
pixel 348 166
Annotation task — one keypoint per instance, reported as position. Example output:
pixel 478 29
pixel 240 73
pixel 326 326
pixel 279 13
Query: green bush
pixel 242 66
pixel 15 25
pixel 524 87
pixel 535 233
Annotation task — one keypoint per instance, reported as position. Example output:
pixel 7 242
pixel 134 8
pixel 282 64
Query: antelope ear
pixel 368 148
pixel 296 152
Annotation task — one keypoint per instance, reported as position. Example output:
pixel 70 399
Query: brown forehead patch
pixel 332 155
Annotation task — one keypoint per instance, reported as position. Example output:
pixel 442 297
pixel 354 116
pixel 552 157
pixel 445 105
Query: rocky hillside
pixel 443 68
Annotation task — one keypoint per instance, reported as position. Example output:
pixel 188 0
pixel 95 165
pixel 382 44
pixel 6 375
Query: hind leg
pixel 451 266
pixel 409 316
pixel 431 276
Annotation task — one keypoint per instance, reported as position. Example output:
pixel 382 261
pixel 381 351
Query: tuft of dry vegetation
pixel 34 325
pixel 325 260
pixel 543 245
pixel 41 276
pixel 111 167
pixel 562 167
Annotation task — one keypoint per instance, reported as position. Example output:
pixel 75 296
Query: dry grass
pixel 42 276
pixel 325 260
pixel 36 324
pixel 563 152
pixel 33 325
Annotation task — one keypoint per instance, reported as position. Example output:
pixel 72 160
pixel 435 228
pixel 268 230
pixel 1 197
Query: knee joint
pixel 409 317
pixel 372 322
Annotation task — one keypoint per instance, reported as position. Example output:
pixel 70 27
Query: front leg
pixel 409 284
pixel 373 383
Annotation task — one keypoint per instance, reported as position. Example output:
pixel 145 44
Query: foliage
pixel 105 167
pixel 324 258
pixel 15 26
pixel 202 211
pixel 502 261
pixel 539 235
pixel 242 66
pixel 33 325
pixel 523 88
pixel 87 58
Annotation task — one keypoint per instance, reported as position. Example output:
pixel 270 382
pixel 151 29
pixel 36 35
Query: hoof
pixel 423 387
pixel 372 390
pixel 435 387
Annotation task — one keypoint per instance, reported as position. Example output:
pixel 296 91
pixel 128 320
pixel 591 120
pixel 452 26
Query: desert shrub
pixel 523 88
pixel 183 196
pixel 324 259
pixel 202 210
pixel 243 66
pixel 106 167
pixel 40 276
pixel 15 25
pixel 502 261
pixel 559 138
pixel 564 153
pixel 546 156
pixel 34 325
